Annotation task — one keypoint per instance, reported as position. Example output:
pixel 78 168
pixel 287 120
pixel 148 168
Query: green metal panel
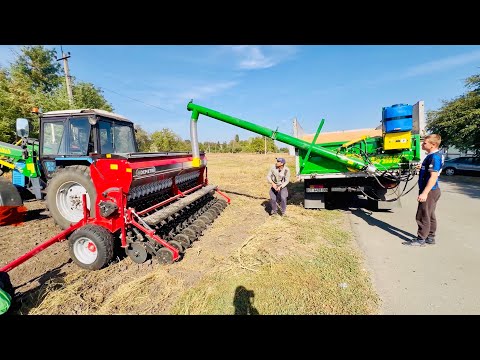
pixel 15 153
pixel 10 151
pixel 386 160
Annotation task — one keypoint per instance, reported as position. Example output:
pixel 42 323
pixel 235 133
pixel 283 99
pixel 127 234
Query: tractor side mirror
pixel 22 127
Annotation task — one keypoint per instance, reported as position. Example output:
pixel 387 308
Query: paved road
pixel 437 279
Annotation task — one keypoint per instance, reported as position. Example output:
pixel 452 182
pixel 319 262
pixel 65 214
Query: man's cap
pixel 282 160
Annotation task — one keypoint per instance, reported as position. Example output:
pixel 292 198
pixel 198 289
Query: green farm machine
pixel 370 162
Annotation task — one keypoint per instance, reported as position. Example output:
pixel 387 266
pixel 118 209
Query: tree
pixel 167 140
pixel 35 79
pixel 143 139
pixel 86 95
pixel 39 65
pixel 237 138
pixel 257 145
pixel 458 120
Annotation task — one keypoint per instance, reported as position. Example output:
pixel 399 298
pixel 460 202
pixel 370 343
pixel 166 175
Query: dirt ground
pixel 222 238
pixel 17 240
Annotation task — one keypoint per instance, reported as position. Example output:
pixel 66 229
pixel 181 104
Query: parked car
pixel 462 164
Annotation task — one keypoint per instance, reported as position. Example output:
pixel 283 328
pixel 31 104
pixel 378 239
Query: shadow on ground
pixel 37 214
pixel 242 194
pixel 243 302
pixel 370 220
pixel 24 302
pixel 467 185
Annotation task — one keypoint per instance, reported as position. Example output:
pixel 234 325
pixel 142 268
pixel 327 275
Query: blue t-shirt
pixel 433 162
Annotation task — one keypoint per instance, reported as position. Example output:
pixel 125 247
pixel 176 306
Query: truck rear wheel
pixel 91 247
pixel 64 194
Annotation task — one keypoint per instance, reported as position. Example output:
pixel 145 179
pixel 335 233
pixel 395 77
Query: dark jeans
pixel 426 220
pixel 278 196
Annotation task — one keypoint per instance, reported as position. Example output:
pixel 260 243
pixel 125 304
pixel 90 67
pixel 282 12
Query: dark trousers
pixel 278 196
pixel 426 220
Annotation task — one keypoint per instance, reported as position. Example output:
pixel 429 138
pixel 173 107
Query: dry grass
pixel 113 290
pixel 312 271
pixel 304 263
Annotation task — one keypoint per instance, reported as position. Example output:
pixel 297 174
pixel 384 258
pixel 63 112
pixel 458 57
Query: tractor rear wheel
pixel 64 194
pixel 91 247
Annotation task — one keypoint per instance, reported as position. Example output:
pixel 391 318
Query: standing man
pixel 429 191
pixel 278 177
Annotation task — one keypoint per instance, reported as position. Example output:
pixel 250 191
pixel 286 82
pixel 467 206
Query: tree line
pixel 167 140
pixel 35 79
pixel 458 120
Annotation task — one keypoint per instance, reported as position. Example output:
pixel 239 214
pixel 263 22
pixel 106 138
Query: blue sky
pixel 268 85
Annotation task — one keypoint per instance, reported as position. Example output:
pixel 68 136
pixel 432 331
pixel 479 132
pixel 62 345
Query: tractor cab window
pixel 53 138
pixel 80 140
pixel 115 137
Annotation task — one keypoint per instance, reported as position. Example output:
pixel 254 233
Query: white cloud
pixel 442 64
pixel 170 98
pixel 201 92
pixel 251 57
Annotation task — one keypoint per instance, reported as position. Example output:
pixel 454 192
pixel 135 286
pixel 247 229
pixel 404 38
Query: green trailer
pixel 373 166
pixel 324 179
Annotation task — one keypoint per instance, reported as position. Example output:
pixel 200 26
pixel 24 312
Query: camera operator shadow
pixel 243 301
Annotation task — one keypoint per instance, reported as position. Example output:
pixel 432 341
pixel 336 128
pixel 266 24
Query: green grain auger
pixel 350 162
pixel 365 165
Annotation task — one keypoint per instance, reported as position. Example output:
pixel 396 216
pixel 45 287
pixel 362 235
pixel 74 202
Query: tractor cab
pixel 76 137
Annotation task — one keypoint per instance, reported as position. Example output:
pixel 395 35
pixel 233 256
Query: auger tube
pixel 194 139
pixel 275 135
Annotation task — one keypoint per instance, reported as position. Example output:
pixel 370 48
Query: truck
pixel 374 163
pixel 389 147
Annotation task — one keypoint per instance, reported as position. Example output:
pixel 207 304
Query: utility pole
pixel 67 75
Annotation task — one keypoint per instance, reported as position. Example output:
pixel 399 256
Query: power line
pixel 65 56
pixel 140 101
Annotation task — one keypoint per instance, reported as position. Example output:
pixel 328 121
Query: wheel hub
pixel 69 201
pixel 85 250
